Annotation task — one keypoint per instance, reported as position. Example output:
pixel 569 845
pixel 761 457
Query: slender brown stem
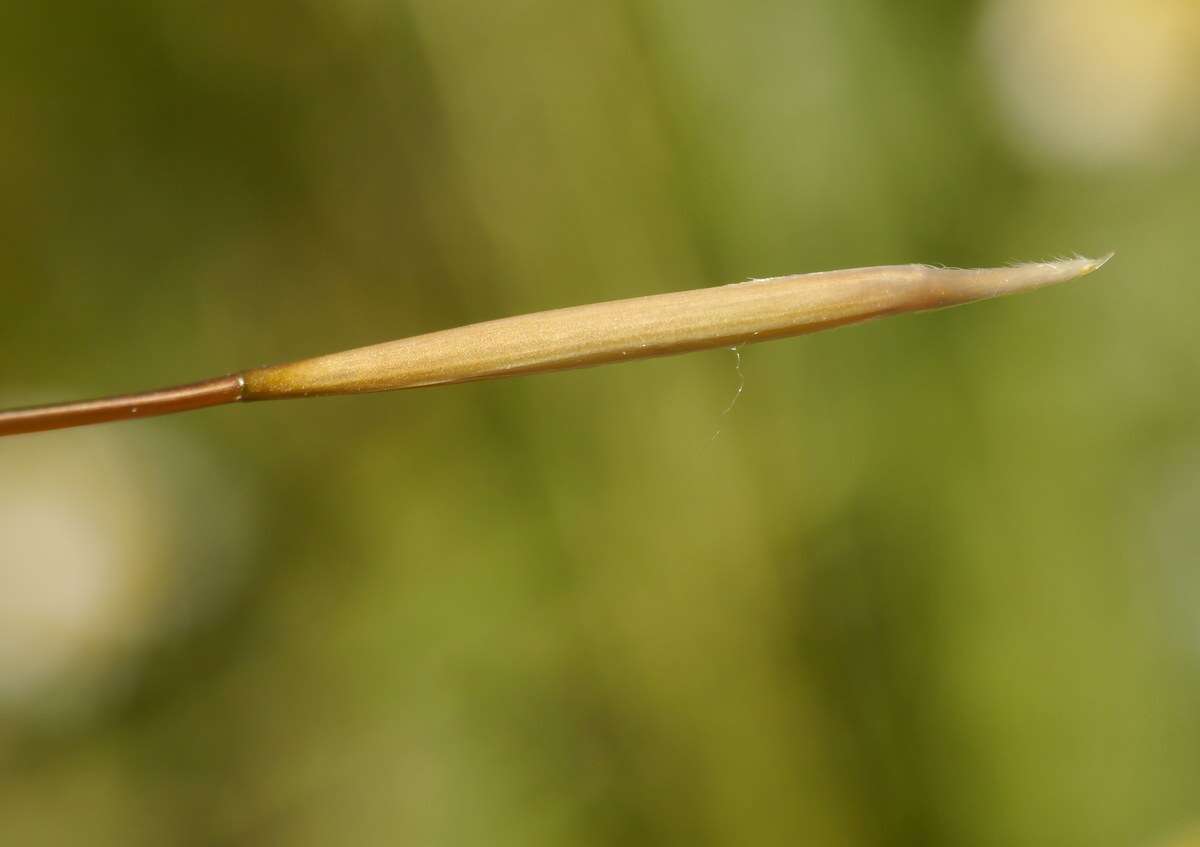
pixel 164 401
pixel 595 334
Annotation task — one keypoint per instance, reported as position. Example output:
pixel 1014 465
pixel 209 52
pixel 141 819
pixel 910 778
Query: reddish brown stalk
pixel 164 401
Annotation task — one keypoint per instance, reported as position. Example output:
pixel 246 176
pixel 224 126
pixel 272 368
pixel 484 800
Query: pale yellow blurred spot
pixel 1189 837
pixel 97 561
pixel 80 548
pixel 1096 83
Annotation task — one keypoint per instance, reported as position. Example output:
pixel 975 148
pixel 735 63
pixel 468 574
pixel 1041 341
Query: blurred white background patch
pixel 100 559
pixel 1096 82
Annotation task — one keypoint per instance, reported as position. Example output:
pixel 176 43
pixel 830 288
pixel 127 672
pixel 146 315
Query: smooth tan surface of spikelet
pixel 596 334
pixel 657 325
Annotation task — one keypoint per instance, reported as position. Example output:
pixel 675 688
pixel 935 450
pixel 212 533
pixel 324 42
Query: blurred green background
pixel 935 582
